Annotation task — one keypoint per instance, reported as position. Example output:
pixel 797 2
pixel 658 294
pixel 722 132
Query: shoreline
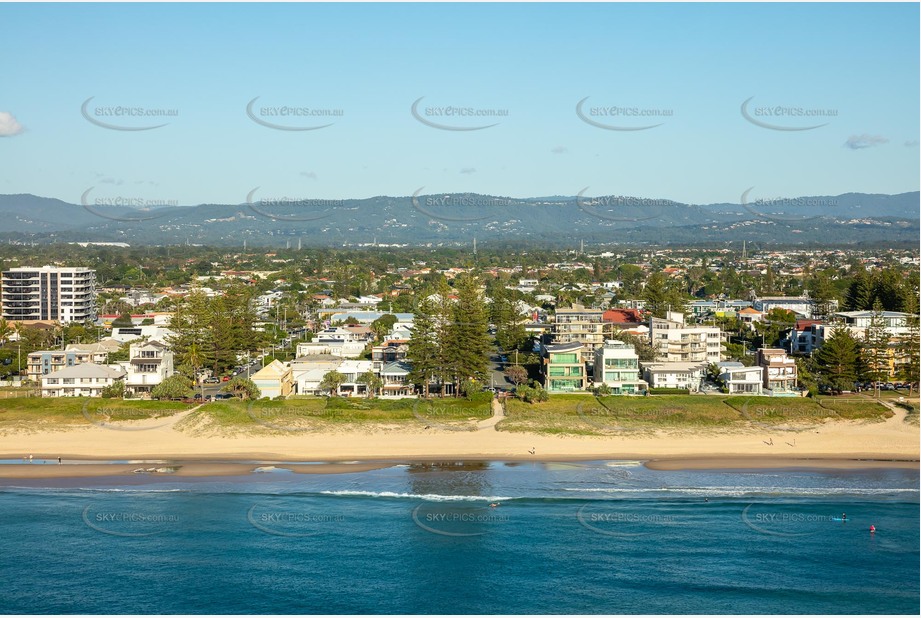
pixel 120 450
pixel 246 466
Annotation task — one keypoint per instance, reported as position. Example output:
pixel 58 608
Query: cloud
pixel 310 175
pixel 912 143
pixel 559 150
pixel 468 170
pixel 9 126
pixel 858 142
pixel 112 181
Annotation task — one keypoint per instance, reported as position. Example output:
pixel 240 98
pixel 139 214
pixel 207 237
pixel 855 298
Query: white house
pixel 307 372
pixel 617 366
pixel 83 380
pixel 740 379
pixel 352 370
pixel 674 375
pixel 124 334
pixel 335 347
pixel 150 363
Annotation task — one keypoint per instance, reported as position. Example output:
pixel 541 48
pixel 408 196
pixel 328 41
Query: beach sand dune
pixel 161 439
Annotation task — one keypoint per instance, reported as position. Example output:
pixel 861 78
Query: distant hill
pixel 450 219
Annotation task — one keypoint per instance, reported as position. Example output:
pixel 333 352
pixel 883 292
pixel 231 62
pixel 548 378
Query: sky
pixel 688 102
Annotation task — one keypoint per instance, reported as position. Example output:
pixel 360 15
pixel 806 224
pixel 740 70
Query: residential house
pixel 149 363
pixel 125 334
pixel 895 323
pixel 83 380
pixel 617 366
pixel 563 368
pixel 388 352
pixel 779 378
pixel 805 337
pixel 801 305
pixel 742 380
pixel 749 316
pixel 353 370
pixel 307 372
pixel 274 380
pixel 678 375
pixel 396 380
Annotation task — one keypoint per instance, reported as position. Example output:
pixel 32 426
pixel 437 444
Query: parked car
pixel 225 379
pixel 212 380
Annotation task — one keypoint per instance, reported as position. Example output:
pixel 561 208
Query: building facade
pixel 150 363
pixel 617 366
pixel 779 377
pixel 563 367
pixel 62 294
pixel 675 342
pixel 580 325
pixel 85 380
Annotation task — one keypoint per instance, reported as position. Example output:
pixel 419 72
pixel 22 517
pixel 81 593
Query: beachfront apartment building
pixel 150 362
pixel 84 380
pixel 44 362
pixel 577 324
pixel 563 369
pixel 59 293
pixel 673 341
pixel 617 366
pixel 779 377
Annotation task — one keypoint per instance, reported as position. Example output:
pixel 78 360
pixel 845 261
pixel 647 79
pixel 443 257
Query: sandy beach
pixel 838 444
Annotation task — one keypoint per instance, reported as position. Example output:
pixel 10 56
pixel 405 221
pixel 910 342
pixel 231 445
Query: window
pixel 564 358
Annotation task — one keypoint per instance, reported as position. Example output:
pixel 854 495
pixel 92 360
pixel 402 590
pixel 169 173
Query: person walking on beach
pixel 30 457
pixel 59 461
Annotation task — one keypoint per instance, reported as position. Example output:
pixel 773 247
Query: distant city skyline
pixel 205 103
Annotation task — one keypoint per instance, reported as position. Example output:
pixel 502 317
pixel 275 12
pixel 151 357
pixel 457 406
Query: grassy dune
pixel 317 413
pixel 24 412
pixel 575 414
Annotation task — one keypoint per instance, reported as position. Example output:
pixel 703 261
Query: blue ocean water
pixel 493 537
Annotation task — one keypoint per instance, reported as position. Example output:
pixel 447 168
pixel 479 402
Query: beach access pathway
pixel 498 413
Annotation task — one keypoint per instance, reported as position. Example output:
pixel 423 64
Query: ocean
pixel 465 538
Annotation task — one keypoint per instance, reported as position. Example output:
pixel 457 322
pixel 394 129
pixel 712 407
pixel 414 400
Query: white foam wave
pixel 747 491
pixel 411 496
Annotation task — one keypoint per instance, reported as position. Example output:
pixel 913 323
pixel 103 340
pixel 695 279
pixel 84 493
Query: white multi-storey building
pixel 675 342
pixel 62 294
pixel 618 367
pixel 151 363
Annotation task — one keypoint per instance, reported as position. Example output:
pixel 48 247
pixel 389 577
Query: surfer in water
pixel 843 516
